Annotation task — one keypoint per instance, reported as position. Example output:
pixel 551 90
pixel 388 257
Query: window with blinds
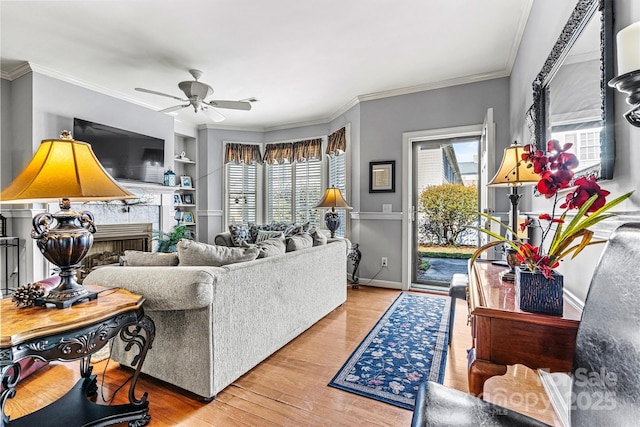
pixel 279 186
pixel 308 189
pixel 338 177
pixel 241 192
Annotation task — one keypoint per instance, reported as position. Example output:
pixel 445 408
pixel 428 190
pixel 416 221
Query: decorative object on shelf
pixel 188 218
pixel 167 241
pixel 382 177
pixel 187 199
pixel 3 226
pixel 64 169
pixel 355 255
pixel 26 295
pixel 555 171
pixel 177 200
pixel 537 293
pixel 628 80
pixel 170 178
pixel 333 199
pixel 513 173
pixel 185 181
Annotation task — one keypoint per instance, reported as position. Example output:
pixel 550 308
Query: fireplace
pixel 111 240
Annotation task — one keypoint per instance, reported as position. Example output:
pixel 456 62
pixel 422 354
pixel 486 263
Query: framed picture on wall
pixel 185 181
pixel 382 176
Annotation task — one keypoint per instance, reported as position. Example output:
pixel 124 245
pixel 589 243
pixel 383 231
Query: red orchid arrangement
pixel 586 196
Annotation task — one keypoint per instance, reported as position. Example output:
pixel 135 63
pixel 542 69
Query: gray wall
pixel 382 123
pixel 543 27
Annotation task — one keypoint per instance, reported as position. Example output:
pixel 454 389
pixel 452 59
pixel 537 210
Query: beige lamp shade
pixel 64 168
pixel 513 170
pixel 332 198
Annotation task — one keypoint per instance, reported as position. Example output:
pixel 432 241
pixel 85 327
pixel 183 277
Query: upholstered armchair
pixel 606 369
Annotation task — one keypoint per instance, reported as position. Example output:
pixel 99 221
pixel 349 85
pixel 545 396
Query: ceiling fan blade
pixel 212 114
pixel 174 108
pixel 139 89
pixel 234 105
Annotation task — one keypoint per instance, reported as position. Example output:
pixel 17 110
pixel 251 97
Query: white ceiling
pixel 305 61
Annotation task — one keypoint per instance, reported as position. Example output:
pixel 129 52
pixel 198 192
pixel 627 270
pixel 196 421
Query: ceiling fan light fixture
pixel 195 89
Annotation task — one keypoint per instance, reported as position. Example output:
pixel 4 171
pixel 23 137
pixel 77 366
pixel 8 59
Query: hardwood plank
pixel 290 387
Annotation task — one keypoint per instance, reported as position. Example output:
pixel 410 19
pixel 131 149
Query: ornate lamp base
pixel 66 299
pixel 332 220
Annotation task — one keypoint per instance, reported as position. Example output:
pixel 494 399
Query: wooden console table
pixel 504 335
pixel 71 334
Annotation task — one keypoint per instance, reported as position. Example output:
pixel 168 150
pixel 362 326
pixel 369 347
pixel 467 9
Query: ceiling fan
pixel 196 92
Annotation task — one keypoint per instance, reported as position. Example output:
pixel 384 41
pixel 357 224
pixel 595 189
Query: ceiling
pixel 305 62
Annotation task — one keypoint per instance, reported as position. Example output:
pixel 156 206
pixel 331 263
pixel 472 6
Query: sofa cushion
pixel 240 233
pixel 299 241
pixel 319 238
pixel 272 247
pixel 139 258
pixel 196 253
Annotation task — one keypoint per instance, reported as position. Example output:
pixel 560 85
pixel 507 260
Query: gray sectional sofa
pixel 213 324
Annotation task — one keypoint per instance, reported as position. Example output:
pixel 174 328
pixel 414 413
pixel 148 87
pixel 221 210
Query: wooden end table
pixel 71 334
pixel 505 335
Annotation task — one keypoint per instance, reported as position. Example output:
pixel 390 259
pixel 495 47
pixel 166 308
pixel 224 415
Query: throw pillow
pixel 240 233
pixel 272 247
pixel 298 229
pixel 264 235
pixel 274 226
pixel 299 241
pixel 139 258
pixel 195 253
pixel 319 238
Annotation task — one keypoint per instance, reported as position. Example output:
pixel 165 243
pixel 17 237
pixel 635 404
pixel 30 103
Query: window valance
pixel 289 152
pixel 337 143
pixel 242 153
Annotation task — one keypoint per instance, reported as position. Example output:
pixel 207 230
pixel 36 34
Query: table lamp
pixel 333 199
pixel 64 169
pixel 513 173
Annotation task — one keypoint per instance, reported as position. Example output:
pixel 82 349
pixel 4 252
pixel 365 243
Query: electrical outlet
pixel 384 262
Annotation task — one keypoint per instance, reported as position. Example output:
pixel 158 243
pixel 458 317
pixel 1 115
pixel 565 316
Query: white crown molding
pixel 435 85
pixel 28 67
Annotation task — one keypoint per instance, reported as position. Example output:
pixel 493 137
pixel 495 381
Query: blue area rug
pixel 406 347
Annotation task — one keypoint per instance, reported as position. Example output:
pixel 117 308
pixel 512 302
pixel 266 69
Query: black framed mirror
pixel 571 99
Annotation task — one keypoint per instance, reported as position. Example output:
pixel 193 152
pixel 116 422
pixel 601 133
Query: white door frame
pixel 408 138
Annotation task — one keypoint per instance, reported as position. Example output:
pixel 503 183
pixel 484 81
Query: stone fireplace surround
pixel 154 207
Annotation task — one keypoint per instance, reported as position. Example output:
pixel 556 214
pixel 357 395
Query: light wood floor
pixel 290 387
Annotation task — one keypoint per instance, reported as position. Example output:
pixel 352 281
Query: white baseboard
pixel 558 388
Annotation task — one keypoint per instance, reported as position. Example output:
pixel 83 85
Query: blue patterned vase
pixel 538 294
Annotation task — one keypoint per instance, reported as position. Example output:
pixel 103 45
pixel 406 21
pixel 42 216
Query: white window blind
pixel 338 177
pixel 308 190
pixel 279 185
pixel 241 192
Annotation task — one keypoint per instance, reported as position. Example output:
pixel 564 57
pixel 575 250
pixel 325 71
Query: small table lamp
pixel 332 199
pixel 513 173
pixel 64 169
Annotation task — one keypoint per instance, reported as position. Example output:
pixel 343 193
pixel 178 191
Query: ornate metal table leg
pixel 132 337
pixel 9 380
pixel 355 255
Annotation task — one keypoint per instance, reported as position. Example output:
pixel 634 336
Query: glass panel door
pixel 445 201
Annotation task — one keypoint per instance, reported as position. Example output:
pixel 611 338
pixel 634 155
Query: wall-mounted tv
pixel 125 155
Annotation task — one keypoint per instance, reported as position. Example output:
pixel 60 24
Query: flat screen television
pixel 124 154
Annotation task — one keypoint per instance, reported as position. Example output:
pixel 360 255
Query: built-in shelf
pixel 185 150
pixel 185 161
